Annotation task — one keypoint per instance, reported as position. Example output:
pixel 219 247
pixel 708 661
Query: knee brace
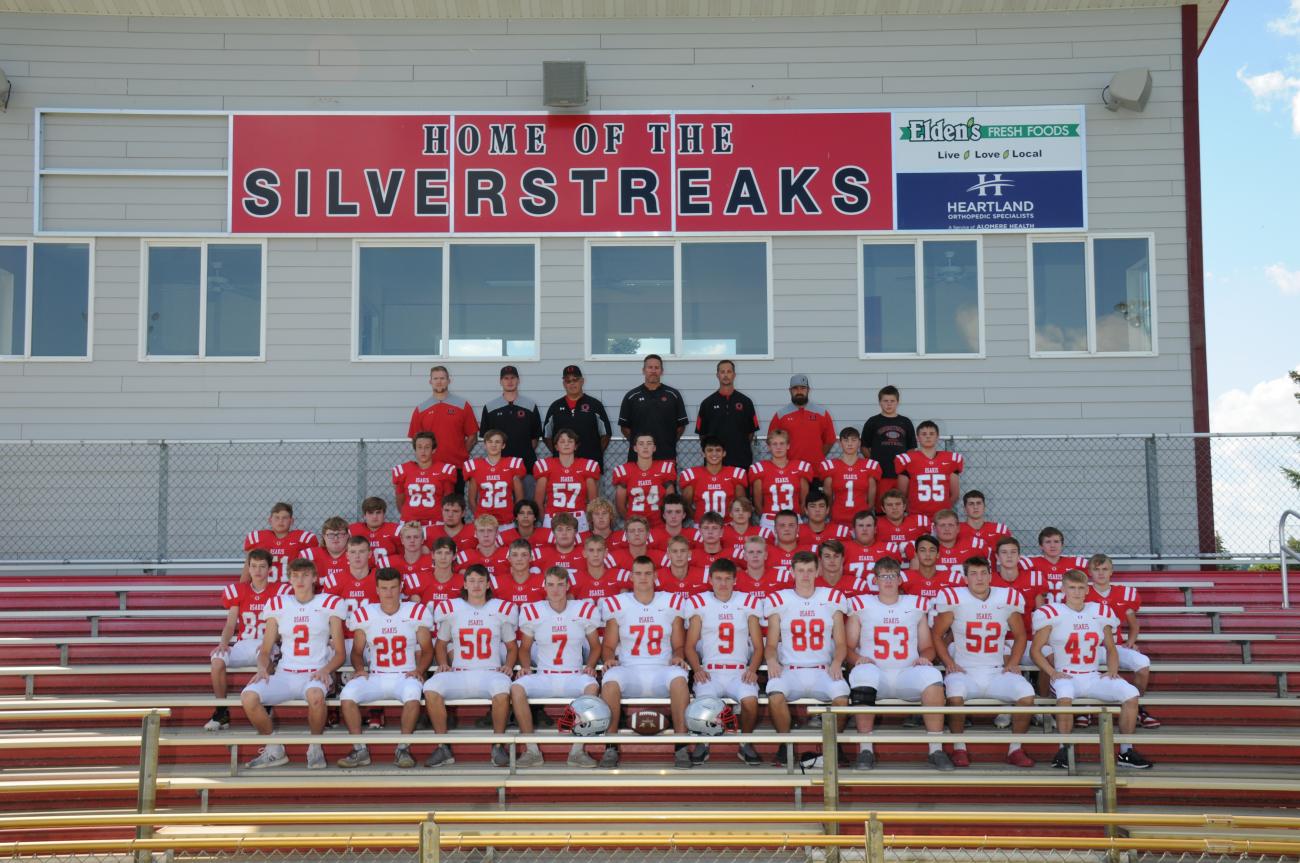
pixel 862 695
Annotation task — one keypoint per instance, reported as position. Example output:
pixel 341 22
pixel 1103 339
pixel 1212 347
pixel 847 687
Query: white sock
pixel 1012 748
pixel 359 747
pixel 935 747
pixel 577 747
pixel 866 747
pixel 1125 747
pixel 960 747
pixel 532 747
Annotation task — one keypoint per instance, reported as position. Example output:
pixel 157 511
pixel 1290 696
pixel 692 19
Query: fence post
pixel 430 852
pixel 164 458
pixel 361 471
pixel 875 850
pixel 831 778
pixel 1153 495
pixel 147 794
pixel 1109 797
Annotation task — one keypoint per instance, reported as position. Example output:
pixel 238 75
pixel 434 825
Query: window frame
pixel 444 338
pixel 146 243
pixel 675 243
pixel 30 243
pixel 1090 291
pixel 917 242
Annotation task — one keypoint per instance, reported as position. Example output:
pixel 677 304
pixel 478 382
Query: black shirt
pixel 520 420
pixel 660 412
pixel 587 417
pixel 732 419
pixel 885 437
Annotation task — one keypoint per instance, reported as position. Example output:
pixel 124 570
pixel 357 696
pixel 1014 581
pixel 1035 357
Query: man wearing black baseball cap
pixel 579 412
pixel 518 416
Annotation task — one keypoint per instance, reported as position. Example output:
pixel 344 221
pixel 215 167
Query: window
pixel 45 300
pixel 1092 296
pixel 683 299
pixel 461 300
pixel 922 298
pixel 203 301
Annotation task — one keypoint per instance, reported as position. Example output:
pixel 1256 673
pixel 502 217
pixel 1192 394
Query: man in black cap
pixel 654 408
pixel 516 415
pixel 581 413
pixel 729 415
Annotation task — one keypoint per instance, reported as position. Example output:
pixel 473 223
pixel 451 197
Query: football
pixel 648 722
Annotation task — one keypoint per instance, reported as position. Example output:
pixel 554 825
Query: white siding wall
pixel 308 388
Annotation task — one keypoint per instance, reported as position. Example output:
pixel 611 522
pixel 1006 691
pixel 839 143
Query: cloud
pixel 1269 406
pixel 1269 88
pixel 1288 24
pixel 1286 281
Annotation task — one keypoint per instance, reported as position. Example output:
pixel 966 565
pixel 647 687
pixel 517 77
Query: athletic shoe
pixel 1083 720
pixel 358 757
pixel 403 757
pixel 748 754
pixel 500 755
pixel 939 760
pixel 220 720
pixel 866 760
pixel 609 758
pixel 1002 720
pixel 682 759
pixel 1061 760
pixel 1146 720
pixel 316 757
pixel 530 759
pixel 1133 759
pixel 1019 758
pixel 780 758
pixel 580 759
pixel 912 721
pixel 440 757
pixel 960 758
pixel 699 753
pixel 272 755
pixel 376 719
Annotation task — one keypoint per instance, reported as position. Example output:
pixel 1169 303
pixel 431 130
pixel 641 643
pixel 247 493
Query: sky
pixel 1250 176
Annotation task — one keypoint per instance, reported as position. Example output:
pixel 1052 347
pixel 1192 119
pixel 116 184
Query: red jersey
pixel 284 549
pixel 660 537
pixel 846 585
pixel 860 560
pixel 505 587
pixel 713 492
pixel 782 561
pixel 353 592
pixel 849 486
pixel 731 536
pixel 746 583
pixel 550 556
pixel 494 492
pixel 539 538
pixel 988 533
pixel 465 538
pixel 646 487
pixel 496 562
pixel 1053 571
pixel 566 487
pixel 813 538
pixel 611 583
pixel 929 480
pixel 327 566
pixel 622 557
pixel 424 587
pixel 451 420
pixel 1121 599
pixel 954 557
pixel 422 565
pixel 1029 582
pixel 914 584
pixel 423 488
pixel 382 538
pixel 781 485
pixel 250 604
pixel 694 583
pixel 902 535
pixel 811 430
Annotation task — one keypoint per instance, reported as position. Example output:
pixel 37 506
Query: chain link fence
pixel 1162 495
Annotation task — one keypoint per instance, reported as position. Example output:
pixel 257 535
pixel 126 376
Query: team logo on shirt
pixel 520 414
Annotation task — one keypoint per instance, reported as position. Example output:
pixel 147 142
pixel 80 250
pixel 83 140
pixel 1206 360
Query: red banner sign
pixel 561 173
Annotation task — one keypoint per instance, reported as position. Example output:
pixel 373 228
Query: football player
pixel 244 603
pixel 283 542
pixel 640 485
pixel 929 476
pixel 713 486
pixel 976 526
pixel 495 481
pixel 850 481
pixel 565 483
pixel 375 527
pixel 1124 601
pixel 779 483
pixel 420 485
pixel 1052 563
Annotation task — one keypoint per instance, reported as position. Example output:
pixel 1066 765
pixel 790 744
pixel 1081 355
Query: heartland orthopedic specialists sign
pixel 656 173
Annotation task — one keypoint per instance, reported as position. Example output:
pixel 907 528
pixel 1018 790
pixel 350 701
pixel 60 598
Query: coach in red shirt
pixel 448 417
pixel 811 429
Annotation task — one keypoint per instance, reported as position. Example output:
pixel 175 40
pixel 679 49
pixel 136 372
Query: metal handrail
pixel 1285 552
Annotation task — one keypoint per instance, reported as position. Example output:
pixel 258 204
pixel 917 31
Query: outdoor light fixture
pixel 6 87
pixel 564 83
pixel 1128 89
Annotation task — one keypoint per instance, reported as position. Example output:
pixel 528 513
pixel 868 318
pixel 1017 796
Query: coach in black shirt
pixel 581 413
pixel 516 415
pixel 729 416
pixel 653 408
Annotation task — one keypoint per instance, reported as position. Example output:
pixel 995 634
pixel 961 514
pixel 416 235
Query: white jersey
pixel 559 636
pixel 645 631
pixel 979 626
pixel 724 627
pixel 891 634
pixel 304 629
pixel 807 625
pixel 476 635
pixel 1078 638
pixel 393 638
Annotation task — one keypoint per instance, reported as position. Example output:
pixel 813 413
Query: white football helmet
pixel 586 716
pixel 710 716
